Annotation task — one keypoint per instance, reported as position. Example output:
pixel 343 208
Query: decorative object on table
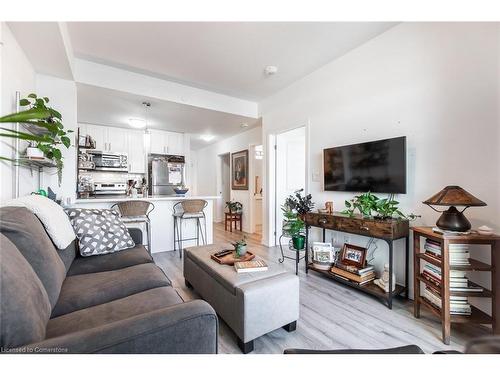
pixel 383 282
pixel 99 231
pixel 353 255
pixel 229 257
pixel 453 219
pixel 323 255
pixel 239 170
pixel 384 208
pixel 250 266
pixel 299 204
pixel 130 185
pixel 234 206
pixel 181 190
pixel 240 246
pixel 329 207
pixel 485 230
pixel 45 128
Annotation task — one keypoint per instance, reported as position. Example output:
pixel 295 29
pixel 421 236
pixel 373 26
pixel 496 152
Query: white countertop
pixel 120 198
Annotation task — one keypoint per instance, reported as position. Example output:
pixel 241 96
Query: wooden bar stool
pixel 136 212
pixel 233 217
pixel 185 210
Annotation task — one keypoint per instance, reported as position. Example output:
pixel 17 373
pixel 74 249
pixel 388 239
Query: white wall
pixel 208 167
pixel 436 83
pixel 62 94
pixel 17 74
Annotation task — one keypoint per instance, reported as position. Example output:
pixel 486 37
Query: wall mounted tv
pixel 378 167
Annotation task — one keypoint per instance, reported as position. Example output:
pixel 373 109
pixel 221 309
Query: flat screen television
pixel 378 167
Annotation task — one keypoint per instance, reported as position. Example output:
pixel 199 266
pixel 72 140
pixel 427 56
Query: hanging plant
pixel 48 132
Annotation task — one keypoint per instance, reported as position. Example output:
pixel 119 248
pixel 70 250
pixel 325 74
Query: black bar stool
pixel 185 210
pixel 136 212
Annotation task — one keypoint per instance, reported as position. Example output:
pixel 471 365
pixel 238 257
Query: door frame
pixel 270 236
pixel 219 209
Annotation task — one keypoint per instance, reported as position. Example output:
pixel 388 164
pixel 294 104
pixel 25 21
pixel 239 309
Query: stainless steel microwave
pixel 110 161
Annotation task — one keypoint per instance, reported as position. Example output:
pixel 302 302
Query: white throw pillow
pixel 52 216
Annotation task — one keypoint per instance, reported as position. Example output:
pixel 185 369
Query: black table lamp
pixel 453 219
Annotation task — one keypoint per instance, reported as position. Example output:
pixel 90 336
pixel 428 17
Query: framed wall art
pixel 239 170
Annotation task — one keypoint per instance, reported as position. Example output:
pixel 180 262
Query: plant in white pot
pixel 49 131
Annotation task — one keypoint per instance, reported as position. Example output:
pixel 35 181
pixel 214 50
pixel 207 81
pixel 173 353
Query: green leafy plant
pixel 242 242
pixel 299 203
pixel 234 206
pixel 384 208
pixel 293 225
pixel 240 246
pixel 47 121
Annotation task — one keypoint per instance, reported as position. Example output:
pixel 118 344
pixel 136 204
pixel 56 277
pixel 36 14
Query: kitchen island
pixel 162 221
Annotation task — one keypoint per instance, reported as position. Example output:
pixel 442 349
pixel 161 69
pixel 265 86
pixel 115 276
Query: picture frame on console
pixel 353 255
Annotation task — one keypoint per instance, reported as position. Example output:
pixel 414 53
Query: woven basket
pixel 192 206
pixel 133 208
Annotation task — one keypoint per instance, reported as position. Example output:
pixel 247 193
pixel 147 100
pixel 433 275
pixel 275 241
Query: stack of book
pixel 459 305
pixel 459 254
pixel 360 276
pixel 433 249
pixel 458 279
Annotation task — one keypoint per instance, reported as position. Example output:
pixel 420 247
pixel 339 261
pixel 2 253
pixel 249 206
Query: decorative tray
pixel 229 257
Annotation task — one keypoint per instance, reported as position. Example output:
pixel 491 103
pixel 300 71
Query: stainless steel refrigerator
pixel 165 173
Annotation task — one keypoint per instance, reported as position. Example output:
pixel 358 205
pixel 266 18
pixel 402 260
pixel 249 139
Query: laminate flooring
pixel 332 316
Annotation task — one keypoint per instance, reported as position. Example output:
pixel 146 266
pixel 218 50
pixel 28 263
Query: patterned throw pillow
pixel 99 231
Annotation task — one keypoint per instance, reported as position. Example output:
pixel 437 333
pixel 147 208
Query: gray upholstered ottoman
pixel 252 304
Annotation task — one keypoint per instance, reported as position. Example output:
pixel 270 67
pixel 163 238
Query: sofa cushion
pixel 114 311
pixel 25 307
pixel 110 262
pixel 99 231
pixel 24 229
pixel 82 291
pixel 68 255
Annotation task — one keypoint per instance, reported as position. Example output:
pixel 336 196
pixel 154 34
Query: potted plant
pixel 234 207
pixel 47 130
pixel 384 208
pixel 293 225
pixel 240 247
pixel 299 203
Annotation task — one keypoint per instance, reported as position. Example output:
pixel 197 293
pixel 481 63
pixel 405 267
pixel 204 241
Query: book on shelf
pixel 354 269
pixel 459 305
pixel 361 279
pixel 449 232
pixel 468 288
pixel 250 266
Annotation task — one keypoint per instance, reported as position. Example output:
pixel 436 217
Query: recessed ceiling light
pixel 137 123
pixel 207 137
pixel 244 125
pixel 270 70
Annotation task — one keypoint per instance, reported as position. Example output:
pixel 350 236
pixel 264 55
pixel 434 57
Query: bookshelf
pixel 443 312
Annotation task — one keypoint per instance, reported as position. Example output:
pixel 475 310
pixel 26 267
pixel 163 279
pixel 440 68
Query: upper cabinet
pixel 163 142
pixel 108 138
pixel 136 152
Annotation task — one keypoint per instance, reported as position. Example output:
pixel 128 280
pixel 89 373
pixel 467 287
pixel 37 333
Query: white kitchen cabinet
pixel 175 143
pixel 118 140
pixel 100 135
pixel 164 142
pixel 136 152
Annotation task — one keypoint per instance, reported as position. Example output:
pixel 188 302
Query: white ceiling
pixel 227 57
pixel 102 106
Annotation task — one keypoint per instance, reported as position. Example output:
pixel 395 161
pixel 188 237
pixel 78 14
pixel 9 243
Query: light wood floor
pixel 332 316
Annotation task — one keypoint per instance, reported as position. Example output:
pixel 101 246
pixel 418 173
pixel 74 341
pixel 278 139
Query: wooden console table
pixel 387 230
pixel 443 313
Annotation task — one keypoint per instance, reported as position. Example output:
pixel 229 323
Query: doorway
pixel 290 170
pixel 224 184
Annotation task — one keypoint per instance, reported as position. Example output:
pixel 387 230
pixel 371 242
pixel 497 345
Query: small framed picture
pixel 353 255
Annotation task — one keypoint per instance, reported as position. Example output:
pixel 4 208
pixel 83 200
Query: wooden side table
pixel 230 217
pixel 477 316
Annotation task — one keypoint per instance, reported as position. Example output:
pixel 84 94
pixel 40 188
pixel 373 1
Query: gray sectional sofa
pixel 55 301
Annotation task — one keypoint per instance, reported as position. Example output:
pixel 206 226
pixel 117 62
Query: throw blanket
pixel 52 216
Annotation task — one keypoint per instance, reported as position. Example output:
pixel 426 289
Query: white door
pixel 136 152
pixel 290 168
pixel 100 135
pixel 158 142
pixel 117 140
pixel 175 143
